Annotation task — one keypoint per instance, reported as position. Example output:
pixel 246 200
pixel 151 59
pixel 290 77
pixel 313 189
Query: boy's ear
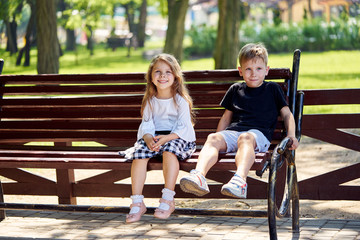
pixel 267 70
pixel 240 71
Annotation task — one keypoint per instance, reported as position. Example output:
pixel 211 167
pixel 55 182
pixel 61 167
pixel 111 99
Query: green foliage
pixel 202 41
pixel 309 35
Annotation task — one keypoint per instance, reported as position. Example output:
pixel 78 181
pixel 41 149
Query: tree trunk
pixel 70 40
pixel 11 44
pixel 176 27
pixel 90 40
pixel 130 15
pixel 310 9
pixel 29 37
pixel 142 24
pixel 227 42
pixel 47 41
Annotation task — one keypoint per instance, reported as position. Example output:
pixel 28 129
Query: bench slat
pixel 218 75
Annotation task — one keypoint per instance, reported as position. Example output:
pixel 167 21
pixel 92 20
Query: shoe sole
pixel 191 187
pixel 228 192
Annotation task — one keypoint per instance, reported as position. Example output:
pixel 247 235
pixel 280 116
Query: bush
pixel 309 35
pixel 203 41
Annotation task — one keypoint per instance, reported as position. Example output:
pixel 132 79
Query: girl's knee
pixel 169 155
pixel 140 161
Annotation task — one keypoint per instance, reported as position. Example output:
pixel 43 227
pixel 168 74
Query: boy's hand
pixel 295 143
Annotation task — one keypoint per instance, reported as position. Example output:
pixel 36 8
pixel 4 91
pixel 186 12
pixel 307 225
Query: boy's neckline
pixel 262 84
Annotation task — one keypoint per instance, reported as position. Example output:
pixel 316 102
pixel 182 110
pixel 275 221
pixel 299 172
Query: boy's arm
pixel 224 121
pixel 289 122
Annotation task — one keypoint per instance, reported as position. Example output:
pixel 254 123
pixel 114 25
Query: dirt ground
pixel 312 158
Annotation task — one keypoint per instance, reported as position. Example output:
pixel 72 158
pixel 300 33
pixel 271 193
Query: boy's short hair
pixel 253 50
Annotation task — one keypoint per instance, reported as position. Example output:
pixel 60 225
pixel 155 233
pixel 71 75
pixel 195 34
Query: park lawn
pixel 318 70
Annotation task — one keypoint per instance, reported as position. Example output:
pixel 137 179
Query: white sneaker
pixel 194 183
pixel 236 187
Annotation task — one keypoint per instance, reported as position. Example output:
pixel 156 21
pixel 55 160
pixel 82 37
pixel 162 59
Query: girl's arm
pixel 183 126
pixel 162 139
pixel 224 121
pixel 290 126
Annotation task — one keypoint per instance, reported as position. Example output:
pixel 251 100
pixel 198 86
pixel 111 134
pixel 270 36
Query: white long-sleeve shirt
pixel 165 115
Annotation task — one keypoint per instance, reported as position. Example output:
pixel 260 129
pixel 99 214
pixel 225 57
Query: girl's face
pixel 253 71
pixel 163 78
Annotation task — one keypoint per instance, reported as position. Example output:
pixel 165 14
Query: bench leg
pixel 295 204
pixel 65 179
pixel 2 211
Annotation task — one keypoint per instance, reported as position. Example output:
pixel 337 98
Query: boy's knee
pixel 216 140
pixel 246 138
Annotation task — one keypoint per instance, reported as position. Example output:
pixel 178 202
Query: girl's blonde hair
pixel 178 86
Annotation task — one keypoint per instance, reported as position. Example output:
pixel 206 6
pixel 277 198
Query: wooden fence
pixel 330 128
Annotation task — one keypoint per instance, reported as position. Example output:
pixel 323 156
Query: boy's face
pixel 253 71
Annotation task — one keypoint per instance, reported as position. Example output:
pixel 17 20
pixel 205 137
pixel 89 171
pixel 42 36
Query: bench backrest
pixel 104 108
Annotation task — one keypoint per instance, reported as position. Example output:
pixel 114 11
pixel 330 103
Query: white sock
pixel 167 194
pixel 136 199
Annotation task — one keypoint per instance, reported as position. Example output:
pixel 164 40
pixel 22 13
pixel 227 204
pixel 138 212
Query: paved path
pixel 23 225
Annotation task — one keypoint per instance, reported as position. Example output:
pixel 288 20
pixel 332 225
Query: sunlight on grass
pixel 318 70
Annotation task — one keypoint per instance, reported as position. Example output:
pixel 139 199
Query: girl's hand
pixel 159 141
pixel 150 141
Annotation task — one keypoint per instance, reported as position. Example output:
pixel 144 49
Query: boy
pixel 246 127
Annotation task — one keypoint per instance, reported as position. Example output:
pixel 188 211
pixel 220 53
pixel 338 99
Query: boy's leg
pixel 209 154
pixel 244 159
pixel 195 182
pixel 245 155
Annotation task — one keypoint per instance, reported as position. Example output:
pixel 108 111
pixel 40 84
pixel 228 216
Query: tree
pixel 30 36
pixel 85 14
pixel 10 12
pixel 227 42
pixel 47 41
pixel 142 24
pixel 176 27
pixel 65 9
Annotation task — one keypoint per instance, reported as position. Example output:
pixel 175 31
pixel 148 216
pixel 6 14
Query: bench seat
pixel 81 121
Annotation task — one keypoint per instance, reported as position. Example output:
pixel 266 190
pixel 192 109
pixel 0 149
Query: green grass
pixel 319 70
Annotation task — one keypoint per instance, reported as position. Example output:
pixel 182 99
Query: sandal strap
pixel 136 204
pixel 168 202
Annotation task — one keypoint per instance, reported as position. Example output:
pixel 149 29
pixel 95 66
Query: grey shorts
pixel 231 137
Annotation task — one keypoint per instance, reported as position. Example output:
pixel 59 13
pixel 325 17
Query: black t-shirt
pixel 254 108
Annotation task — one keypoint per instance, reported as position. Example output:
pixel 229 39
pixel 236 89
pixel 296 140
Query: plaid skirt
pixel 181 148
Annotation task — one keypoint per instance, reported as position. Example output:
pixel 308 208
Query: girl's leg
pixel 170 171
pixel 138 177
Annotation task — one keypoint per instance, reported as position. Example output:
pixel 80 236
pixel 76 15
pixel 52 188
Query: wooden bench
pixel 105 109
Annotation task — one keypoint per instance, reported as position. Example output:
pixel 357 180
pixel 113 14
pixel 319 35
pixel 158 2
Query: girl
pixel 166 129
